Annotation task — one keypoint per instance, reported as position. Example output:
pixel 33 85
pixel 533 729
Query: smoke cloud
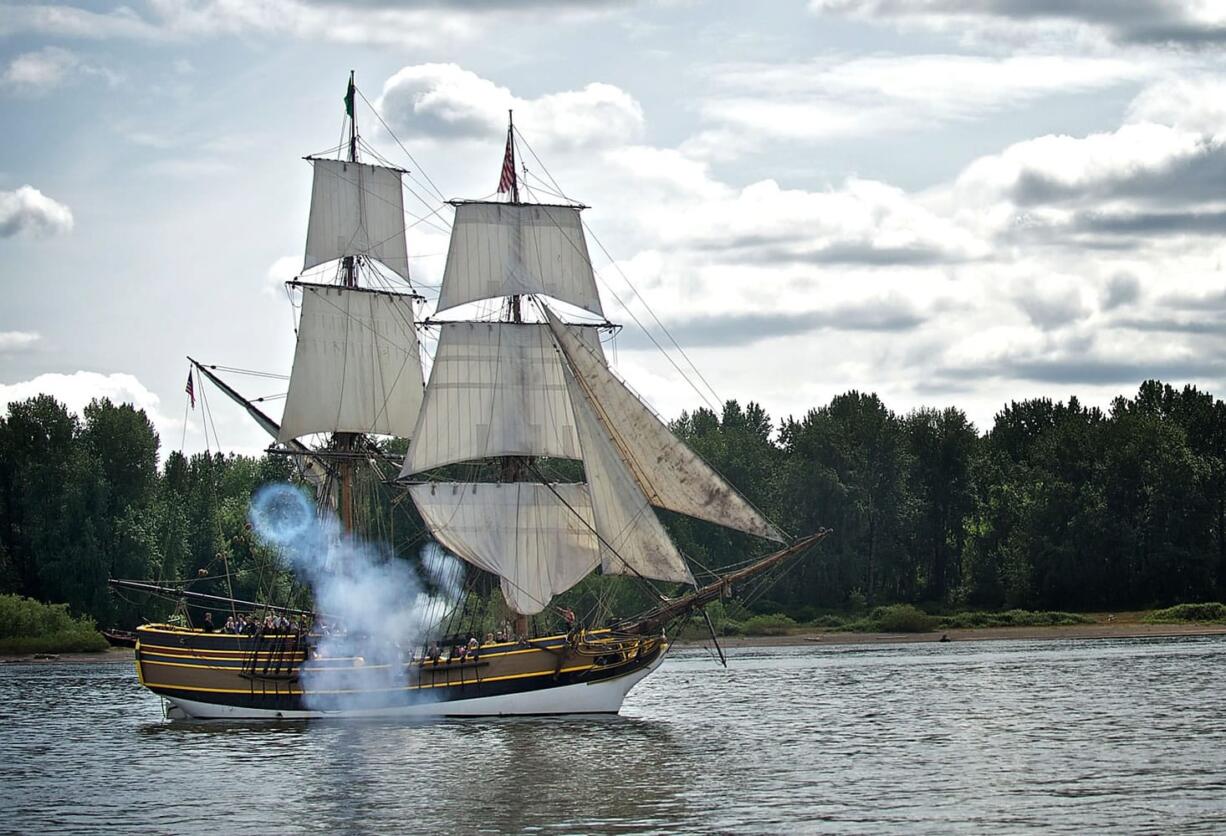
pixel 376 608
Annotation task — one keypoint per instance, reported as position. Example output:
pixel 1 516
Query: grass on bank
pixel 1182 613
pixel 895 618
pixel 28 626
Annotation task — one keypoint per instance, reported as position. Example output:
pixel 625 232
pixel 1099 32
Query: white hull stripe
pixel 602 697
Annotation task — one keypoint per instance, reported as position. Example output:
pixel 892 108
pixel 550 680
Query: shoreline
pixel 1123 630
pixel 1118 630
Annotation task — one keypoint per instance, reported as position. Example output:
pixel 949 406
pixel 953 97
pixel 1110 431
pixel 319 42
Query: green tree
pixel 942 446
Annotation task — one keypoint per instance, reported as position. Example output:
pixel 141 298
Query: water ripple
pixel 953 738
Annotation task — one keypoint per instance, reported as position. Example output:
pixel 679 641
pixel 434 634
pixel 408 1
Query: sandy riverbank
pixel 1116 630
pixel 1126 630
pixel 111 654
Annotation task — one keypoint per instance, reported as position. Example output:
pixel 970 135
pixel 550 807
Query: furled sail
pixel 504 249
pixel 356 364
pixel 356 209
pixel 496 389
pixel 671 474
pixel 633 539
pixel 520 531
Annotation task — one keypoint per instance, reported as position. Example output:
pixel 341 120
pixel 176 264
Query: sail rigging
pixel 510 249
pixel 312 469
pixel 508 390
pixel 511 391
pixel 357 209
pixel 495 389
pixel 671 475
pixel 357 367
pixel 633 541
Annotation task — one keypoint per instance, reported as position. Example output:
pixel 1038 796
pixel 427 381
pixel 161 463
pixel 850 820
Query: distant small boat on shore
pixel 119 638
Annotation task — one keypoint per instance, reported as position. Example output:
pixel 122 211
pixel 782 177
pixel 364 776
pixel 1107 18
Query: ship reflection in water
pixel 1070 735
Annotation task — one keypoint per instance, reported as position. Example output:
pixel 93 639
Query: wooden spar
pixel 292 447
pixel 655 620
pixel 187 594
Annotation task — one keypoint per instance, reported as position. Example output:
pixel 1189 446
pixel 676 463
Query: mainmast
pixel 513 468
pixel 350 276
pixel 511 391
pixel 344 442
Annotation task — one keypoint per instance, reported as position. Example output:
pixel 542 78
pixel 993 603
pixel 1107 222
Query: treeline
pixel 1057 506
pixel 83 500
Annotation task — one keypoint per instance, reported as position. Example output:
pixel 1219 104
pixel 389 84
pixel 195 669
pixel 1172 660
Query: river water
pixel 1008 736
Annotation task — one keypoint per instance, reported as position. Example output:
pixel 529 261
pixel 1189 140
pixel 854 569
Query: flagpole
pixel 511 152
pixel 183 441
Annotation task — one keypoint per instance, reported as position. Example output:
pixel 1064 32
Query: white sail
pixel 671 474
pixel 496 389
pixel 501 249
pixel 520 531
pixel 633 541
pixel 356 364
pixel 356 209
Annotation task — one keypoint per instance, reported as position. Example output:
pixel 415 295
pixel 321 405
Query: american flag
pixel 506 183
pixel 190 389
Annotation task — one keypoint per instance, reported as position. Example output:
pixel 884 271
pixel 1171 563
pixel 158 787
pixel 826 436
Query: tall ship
pixel 528 459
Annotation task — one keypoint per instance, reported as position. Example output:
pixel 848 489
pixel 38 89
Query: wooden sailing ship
pixel 528 383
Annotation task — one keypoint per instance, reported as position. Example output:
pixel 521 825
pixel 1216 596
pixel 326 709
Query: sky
pixel 947 202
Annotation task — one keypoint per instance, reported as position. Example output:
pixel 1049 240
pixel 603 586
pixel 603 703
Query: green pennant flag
pixel 349 99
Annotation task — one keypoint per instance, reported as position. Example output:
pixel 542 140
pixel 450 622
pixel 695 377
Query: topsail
pixel 356 210
pixel 507 249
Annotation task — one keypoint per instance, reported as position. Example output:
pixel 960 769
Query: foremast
pixel 357 365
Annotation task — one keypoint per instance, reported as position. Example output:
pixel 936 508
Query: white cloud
pixel 1156 176
pixel 868 96
pixel 77 389
pixel 14 341
pixel 1051 301
pixel 27 211
pixel 74 22
pixel 281 271
pixel 1177 22
pixel 404 25
pixel 447 102
pixel 34 73
pixel 1192 103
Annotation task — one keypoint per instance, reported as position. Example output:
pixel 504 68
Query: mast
pixel 344 442
pixel 513 468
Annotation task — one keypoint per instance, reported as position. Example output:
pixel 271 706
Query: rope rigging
pixel 377 496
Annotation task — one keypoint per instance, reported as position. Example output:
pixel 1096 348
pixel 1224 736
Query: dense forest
pixel 1056 506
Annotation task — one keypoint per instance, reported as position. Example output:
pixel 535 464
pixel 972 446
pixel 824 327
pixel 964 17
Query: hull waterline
pixel 604 697
pixel 221 676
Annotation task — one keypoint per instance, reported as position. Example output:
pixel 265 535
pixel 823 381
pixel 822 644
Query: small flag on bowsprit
pixel 190 389
pixel 506 183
